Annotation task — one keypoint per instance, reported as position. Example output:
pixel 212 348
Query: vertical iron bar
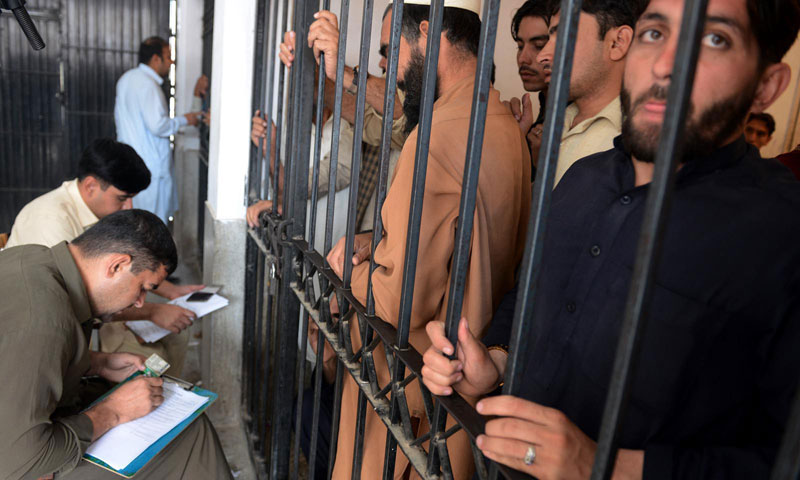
pixel 358 135
pixel 284 18
pixel 557 99
pixel 337 122
pixel 543 186
pixel 301 369
pixel 249 317
pixel 312 224
pixel 258 342
pixel 386 141
pixel 295 209
pixel 355 169
pixel 415 214
pixel 318 379
pixel 469 193
pixel 265 93
pixel 657 209
pixel 337 411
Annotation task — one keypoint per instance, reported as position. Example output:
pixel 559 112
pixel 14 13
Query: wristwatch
pixel 353 88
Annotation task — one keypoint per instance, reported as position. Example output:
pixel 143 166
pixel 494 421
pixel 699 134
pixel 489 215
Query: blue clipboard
pixel 139 462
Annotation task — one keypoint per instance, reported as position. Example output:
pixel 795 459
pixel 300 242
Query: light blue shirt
pixel 143 122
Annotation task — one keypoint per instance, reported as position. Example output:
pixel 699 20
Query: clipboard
pixel 154 449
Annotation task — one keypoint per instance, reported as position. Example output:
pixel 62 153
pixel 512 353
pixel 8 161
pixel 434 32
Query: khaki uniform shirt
pixel 58 215
pixel 373 126
pixel 44 320
pixel 498 238
pixel 591 136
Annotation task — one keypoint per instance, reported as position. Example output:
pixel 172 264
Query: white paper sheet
pixel 123 443
pixel 150 332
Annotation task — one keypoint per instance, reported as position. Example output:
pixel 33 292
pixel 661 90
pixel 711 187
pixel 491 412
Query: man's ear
pixel 618 41
pixel 423 30
pixel 91 184
pixel 773 83
pixel 117 263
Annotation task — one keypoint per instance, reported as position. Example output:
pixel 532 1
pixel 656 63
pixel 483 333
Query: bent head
pixel 738 70
pixel 110 174
pixel 461 30
pixel 123 256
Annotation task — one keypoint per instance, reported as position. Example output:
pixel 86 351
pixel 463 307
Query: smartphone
pixel 199 296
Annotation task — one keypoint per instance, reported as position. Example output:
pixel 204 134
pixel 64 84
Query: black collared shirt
pixel 720 357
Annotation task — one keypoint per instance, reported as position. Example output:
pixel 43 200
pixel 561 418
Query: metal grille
pixel 53 102
pixel 287 281
pixel 202 191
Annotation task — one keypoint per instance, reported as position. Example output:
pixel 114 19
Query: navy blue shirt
pixel 720 357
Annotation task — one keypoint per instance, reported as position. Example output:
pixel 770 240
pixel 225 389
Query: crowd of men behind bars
pixel 717 368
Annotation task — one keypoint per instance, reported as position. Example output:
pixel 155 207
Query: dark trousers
pixel 324 431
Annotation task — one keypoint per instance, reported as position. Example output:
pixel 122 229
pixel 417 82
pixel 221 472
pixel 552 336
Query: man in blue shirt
pixel 143 122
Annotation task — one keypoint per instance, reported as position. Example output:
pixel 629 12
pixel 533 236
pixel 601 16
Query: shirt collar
pixel 722 158
pixel 73 281
pixel 85 214
pixel 151 73
pixel 454 91
pixel 611 112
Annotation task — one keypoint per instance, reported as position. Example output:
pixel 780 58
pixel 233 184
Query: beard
pixel 412 85
pixel 702 133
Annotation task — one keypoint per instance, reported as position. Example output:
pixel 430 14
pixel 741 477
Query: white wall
pixel 190 53
pixel 785 111
pixel 231 94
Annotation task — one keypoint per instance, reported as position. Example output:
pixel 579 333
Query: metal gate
pixel 54 101
pixel 287 281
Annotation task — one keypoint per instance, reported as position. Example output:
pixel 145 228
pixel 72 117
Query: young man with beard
pixel 503 199
pixel 50 296
pixel 718 364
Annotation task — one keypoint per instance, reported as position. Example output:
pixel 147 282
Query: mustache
pixel 529 70
pixel 656 92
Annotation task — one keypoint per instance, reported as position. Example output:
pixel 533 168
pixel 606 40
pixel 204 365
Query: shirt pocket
pixel 672 342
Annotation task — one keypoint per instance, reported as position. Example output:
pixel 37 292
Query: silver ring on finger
pixel 530 456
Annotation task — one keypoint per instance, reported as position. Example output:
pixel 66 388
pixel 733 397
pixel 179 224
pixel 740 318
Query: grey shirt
pixel 44 320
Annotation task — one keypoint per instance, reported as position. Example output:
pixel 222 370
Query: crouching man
pixel 50 296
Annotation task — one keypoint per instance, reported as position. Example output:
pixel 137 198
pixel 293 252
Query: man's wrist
pixel 351 80
pixel 96 362
pixel 103 418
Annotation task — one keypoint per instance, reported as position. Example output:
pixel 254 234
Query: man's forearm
pixel 376 92
pixel 133 313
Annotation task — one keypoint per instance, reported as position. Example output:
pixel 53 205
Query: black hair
pixel 137 233
pixel 609 13
pixel 531 8
pixel 461 27
pixel 114 163
pixel 763 117
pixel 151 46
pixel 774 24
